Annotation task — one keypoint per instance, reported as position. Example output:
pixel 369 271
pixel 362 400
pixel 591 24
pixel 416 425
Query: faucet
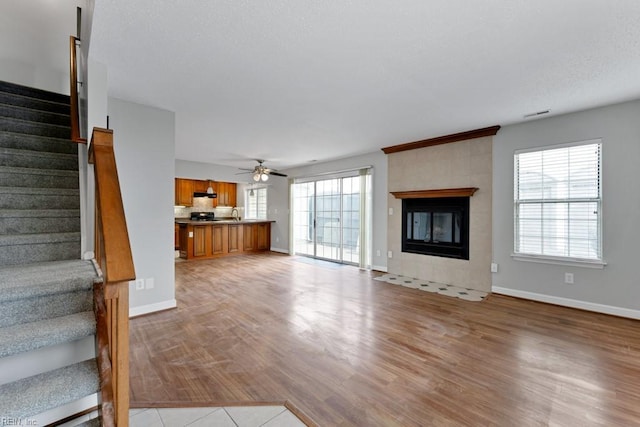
pixel 235 217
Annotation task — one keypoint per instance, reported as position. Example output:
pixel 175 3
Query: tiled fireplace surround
pixel 460 164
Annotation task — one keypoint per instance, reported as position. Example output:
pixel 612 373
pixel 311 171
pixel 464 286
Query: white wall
pixel 34 42
pixel 204 171
pixel 278 198
pixel 144 139
pixel 613 289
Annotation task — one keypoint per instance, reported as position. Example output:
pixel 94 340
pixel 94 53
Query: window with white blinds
pixel 558 202
pixel 255 203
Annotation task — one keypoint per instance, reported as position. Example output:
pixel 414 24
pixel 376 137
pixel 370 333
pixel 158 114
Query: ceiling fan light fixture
pixel 256 177
pixel 264 177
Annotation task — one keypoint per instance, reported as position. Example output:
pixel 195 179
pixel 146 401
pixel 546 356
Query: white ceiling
pixel 292 81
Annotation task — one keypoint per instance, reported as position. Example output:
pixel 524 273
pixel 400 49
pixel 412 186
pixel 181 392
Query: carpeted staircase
pixel 48 369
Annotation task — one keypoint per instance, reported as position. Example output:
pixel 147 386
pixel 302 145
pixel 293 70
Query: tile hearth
pixel 429 286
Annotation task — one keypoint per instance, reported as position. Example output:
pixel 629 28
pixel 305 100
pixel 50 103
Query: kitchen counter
pixel 222 237
pixel 221 221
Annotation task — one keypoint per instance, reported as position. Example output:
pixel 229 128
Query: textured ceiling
pixel 300 80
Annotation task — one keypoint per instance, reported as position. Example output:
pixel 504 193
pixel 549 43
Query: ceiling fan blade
pixel 277 173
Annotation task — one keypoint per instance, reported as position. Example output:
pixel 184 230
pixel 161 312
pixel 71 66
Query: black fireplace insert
pixel 436 226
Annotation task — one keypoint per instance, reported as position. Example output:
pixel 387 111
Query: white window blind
pixel 256 203
pixel 558 202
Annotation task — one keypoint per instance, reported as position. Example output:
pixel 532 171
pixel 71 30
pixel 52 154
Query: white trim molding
pixel 280 250
pixel 568 302
pixel 382 268
pixel 152 308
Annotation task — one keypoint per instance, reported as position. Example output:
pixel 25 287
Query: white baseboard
pixel 280 250
pixel 379 268
pixel 568 302
pixel 152 308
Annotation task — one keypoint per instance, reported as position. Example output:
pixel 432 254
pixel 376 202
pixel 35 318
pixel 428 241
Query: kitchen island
pixel 213 239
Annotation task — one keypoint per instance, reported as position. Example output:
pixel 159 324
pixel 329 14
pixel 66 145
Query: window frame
pixel 257 191
pixel 517 203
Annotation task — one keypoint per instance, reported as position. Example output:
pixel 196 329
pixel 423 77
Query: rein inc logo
pixel 17 421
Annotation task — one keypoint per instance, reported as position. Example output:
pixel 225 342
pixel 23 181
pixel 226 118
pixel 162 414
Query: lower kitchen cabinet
pixel 220 240
pixel 212 240
pixel 263 236
pixel 201 240
pixel 235 238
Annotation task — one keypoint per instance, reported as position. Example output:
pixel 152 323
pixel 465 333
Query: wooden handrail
pixel 113 254
pixel 73 89
pixel 118 261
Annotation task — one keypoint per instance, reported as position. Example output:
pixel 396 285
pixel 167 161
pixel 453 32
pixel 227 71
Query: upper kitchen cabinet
pixel 226 193
pixel 184 192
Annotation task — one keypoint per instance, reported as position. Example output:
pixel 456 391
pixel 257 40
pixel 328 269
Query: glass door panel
pixel 326 219
pixel 304 218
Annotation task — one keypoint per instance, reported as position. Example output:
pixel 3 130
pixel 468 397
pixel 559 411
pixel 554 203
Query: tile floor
pixel 231 416
pixel 428 286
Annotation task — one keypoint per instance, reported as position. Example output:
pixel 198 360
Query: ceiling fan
pixel 261 172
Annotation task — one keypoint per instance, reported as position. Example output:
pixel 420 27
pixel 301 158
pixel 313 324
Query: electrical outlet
pixel 150 283
pixel 390 211
pixel 139 284
pixel 191 234
pixel 568 278
pixel 378 252
pixel 494 267
pixel 389 254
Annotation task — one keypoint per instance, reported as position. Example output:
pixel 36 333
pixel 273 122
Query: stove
pixel 203 216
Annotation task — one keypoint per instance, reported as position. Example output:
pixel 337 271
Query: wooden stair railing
pixel 113 254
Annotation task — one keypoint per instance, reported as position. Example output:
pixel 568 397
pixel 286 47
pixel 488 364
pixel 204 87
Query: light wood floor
pixel 350 351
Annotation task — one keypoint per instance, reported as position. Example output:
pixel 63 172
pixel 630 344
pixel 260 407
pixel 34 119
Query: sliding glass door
pixel 329 218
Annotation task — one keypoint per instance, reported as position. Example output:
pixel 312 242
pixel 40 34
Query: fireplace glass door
pixel 436 227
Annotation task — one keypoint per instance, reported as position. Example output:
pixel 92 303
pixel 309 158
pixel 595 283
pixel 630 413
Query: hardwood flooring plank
pixel 346 350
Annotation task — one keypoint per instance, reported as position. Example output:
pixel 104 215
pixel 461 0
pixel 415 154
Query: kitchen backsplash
pixel 205 206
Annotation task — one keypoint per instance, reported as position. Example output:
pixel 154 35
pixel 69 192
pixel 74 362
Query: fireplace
pixel 436 226
pixel 436 222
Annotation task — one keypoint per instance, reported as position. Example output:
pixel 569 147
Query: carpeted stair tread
pixel 30 336
pixel 33 92
pixel 33 115
pixel 27 221
pixel 39 393
pixel 25 141
pixel 34 128
pixel 47 278
pixel 37 159
pixel 93 422
pixel 39 198
pixel 41 213
pixel 44 178
pixel 34 103
pixel 38 238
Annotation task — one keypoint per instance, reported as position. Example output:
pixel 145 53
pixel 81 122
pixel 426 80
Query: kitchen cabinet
pixel 183 192
pixel 213 239
pixel 235 238
pixel 256 236
pixel 227 193
pixel 176 237
pixel 263 236
pixel 201 240
pixel 220 240
pixel 248 237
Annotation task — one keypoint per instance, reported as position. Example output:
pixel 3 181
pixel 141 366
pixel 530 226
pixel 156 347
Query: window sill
pixel 574 262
